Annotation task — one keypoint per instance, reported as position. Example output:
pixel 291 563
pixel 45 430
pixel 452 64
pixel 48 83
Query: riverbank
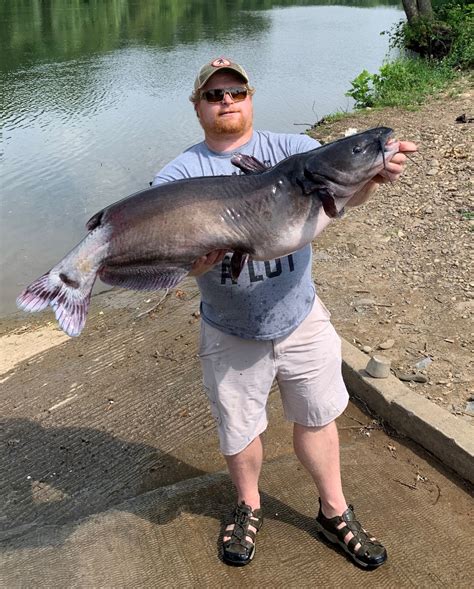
pixel 394 273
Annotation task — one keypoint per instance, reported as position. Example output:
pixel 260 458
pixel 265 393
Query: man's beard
pixel 223 126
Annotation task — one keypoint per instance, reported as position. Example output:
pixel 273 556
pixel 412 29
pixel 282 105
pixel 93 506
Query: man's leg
pixel 244 469
pixel 317 448
pixel 313 392
pixel 237 376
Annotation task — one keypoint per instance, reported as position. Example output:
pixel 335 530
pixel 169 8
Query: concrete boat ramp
pixel 111 475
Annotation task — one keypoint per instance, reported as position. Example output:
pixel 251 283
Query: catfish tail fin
pixel 69 301
pixel 68 286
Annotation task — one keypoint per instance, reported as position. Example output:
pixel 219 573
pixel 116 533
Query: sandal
pixel 365 550
pixel 239 550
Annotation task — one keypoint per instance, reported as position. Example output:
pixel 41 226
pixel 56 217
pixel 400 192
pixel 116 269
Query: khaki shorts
pixel 238 374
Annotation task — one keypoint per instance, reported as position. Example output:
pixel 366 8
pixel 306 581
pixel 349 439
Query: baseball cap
pixel 219 64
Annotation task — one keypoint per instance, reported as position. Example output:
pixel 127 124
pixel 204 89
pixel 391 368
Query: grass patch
pixel 335 116
pixel 404 83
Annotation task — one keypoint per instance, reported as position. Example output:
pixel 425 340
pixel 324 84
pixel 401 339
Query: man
pixel 269 324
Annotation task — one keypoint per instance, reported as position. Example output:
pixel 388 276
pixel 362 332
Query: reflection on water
pixel 45 30
pixel 93 97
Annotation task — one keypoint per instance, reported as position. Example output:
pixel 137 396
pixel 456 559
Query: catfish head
pixel 344 166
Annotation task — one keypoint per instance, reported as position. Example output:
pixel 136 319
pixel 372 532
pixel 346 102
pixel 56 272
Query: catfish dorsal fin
pixel 248 164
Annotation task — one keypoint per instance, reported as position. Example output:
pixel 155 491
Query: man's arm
pixel 206 263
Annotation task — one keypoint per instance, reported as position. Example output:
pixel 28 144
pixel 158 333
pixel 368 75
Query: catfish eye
pixel 357 149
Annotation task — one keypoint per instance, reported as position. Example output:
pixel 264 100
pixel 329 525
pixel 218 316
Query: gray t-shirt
pixel 270 299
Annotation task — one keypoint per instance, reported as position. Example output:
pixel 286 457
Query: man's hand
pixel 204 264
pixel 396 166
pixel 393 170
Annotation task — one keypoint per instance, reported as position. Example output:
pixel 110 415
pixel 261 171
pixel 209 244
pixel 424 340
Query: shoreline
pixel 385 271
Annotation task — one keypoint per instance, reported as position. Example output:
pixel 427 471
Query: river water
pixel 94 97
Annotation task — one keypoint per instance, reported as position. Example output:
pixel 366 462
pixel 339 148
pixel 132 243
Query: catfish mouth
pixel 390 148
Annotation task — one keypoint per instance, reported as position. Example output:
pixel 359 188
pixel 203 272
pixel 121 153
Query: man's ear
pixel 196 109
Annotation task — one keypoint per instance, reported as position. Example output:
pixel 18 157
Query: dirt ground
pixel 395 273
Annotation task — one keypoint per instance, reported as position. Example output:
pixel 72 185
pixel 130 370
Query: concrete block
pixel 378 367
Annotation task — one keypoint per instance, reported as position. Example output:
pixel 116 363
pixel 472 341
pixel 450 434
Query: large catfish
pixel 149 240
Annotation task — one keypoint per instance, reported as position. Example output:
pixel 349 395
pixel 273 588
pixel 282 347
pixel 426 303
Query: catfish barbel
pixel 149 241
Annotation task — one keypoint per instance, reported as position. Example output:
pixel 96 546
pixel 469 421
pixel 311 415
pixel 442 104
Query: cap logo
pixel 220 62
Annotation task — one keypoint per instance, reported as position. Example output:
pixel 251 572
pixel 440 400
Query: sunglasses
pixel 237 93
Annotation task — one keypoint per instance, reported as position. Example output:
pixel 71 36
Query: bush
pixel 461 19
pixel 429 38
pixel 404 82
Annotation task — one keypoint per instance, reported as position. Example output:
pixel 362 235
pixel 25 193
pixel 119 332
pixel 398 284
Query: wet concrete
pixel 111 475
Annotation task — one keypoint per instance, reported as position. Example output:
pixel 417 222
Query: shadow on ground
pixel 77 480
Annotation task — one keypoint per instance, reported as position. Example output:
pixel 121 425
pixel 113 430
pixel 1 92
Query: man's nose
pixel 227 99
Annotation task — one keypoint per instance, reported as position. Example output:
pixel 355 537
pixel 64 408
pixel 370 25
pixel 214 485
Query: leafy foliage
pixel 445 44
pixel 404 82
pixel 449 35
pixel 362 90
pixel 461 19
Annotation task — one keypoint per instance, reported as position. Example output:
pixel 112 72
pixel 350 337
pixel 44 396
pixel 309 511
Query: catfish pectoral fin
pixel 328 202
pixel 311 186
pixel 248 164
pixel 143 277
pixel 237 263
